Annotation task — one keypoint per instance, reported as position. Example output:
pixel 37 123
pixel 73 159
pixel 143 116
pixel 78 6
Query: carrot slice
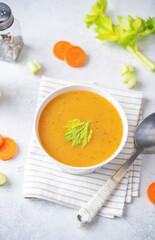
pixel 75 56
pixel 7 149
pixel 1 140
pixel 60 48
pixel 151 192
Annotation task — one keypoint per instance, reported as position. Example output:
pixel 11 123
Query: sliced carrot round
pixel 60 48
pixel 7 149
pixel 1 140
pixel 151 192
pixel 75 56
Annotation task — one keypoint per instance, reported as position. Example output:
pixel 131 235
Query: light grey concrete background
pixel 43 23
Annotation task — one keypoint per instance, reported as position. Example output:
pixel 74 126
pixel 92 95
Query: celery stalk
pixel 143 59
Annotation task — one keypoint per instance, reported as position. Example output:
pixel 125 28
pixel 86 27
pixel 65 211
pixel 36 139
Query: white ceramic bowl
pixel 105 94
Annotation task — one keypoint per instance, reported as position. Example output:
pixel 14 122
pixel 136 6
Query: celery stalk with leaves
pixel 126 33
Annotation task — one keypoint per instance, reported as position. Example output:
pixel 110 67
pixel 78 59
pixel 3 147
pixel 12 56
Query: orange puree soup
pixel 105 123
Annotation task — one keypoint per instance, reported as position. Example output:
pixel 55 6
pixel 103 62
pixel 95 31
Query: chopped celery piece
pixel 34 66
pixel 124 68
pixel 128 75
pixel 2 179
pixel 132 81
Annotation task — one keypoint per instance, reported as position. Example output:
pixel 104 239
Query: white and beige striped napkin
pixel 44 180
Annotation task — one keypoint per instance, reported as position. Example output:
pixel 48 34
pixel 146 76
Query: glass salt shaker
pixel 11 42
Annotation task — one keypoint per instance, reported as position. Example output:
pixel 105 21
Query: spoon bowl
pixel 145 134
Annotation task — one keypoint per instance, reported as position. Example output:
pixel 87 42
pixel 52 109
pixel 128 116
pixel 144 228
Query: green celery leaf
pixel 149 27
pixel 98 9
pixel 74 123
pixel 125 22
pixel 138 24
pixel 105 29
pixel 129 29
pixel 89 20
pixel 105 36
pixel 127 38
pixel 104 23
pixel 78 132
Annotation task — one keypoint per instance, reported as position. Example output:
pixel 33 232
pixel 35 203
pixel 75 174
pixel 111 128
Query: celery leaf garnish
pixel 78 132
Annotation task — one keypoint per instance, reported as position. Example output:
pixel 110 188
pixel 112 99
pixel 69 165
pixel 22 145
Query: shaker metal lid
pixel 6 17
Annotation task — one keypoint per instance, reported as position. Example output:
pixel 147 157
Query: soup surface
pixel 105 123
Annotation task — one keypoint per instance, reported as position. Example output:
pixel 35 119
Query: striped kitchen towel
pixel 43 180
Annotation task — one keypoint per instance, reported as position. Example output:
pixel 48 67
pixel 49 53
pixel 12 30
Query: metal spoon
pixel 145 142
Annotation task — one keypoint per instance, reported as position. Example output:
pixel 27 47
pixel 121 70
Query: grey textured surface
pixel 44 23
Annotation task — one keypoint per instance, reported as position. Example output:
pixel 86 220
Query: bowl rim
pixel 98 91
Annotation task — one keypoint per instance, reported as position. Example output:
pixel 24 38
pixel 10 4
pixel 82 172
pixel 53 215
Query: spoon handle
pixel 120 173
pixel 88 212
